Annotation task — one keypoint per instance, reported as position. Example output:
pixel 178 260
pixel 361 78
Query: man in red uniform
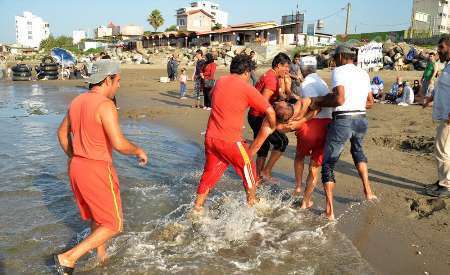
pixel 224 144
pixel 88 134
pixel 268 86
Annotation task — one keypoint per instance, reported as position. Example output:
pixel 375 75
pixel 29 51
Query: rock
pixel 387 60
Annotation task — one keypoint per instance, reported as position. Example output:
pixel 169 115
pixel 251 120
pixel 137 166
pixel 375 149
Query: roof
pixel 191 12
pixel 257 26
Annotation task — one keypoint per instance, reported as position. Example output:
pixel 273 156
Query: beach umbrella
pixel 63 57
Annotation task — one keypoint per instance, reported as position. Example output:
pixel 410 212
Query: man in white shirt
pixel 350 97
pixel 407 97
pixel 441 114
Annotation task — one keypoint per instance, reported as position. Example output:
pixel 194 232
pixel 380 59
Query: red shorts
pixel 96 189
pixel 311 137
pixel 219 154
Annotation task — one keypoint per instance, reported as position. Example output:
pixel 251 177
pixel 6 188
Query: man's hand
pixel 142 157
pixel 284 128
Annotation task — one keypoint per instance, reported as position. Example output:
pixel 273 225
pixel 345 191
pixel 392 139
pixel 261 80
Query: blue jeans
pixel 339 132
pixel 182 89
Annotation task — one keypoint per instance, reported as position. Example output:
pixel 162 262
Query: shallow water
pixel 39 216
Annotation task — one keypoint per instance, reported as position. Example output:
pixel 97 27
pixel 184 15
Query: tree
pixel 155 19
pixel 62 41
pixel 171 28
pixel 217 26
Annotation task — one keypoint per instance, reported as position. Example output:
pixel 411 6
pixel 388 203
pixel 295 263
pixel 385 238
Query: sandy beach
pixel 404 233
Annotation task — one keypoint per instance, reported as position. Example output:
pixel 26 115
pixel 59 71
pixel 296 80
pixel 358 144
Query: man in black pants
pixel 268 86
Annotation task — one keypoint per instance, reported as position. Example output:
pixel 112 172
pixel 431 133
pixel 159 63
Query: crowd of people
pixel 290 96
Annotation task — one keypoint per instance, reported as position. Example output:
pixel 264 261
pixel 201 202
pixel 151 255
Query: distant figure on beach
pixel 377 88
pixel 269 86
pixel 208 75
pixel 407 95
pixel 392 95
pixel 172 68
pixel 429 76
pixel 441 114
pixel 224 143
pixel 350 98
pixel 88 134
pixel 198 81
pixel 416 88
pixel 253 74
pixel 183 83
pixel 296 74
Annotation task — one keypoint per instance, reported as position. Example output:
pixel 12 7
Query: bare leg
pixel 364 175
pixel 260 162
pixel 101 250
pixel 97 238
pixel 328 187
pixel 274 157
pixel 311 182
pixel 251 196
pixel 199 201
pixel 299 164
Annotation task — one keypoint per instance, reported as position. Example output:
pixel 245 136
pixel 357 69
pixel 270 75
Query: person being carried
pixel 224 143
pixel 350 98
pixel 269 86
pixel 88 134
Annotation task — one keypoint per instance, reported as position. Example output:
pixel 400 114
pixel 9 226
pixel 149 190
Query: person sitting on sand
pixel 395 89
pixel 350 98
pixel 407 95
pixel 377 88
pixel 224 144
pixel 88 134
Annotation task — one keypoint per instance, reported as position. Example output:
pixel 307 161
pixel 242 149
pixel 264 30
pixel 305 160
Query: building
pixel 115 30
pixel 218 16
pixel 132 32
pixel 31 30
pixel 78 35
pixel 430 16
pixel 103 31
pixel 194 21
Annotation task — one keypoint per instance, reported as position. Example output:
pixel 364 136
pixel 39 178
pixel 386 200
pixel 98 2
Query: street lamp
pixel 198 41
pixel 210 36
pixel 186 41
pixel 234 37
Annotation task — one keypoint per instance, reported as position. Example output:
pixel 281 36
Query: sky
pixel 66 16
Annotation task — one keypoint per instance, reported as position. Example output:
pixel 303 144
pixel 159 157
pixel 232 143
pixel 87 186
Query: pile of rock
pixel 403 57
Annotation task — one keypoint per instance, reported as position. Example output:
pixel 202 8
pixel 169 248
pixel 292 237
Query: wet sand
pixel 404 233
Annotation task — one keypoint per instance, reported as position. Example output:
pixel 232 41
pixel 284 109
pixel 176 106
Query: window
pixel 181 22
pixel 422 17
pixel 30 37
pixel 29 23
pixel 30 33
pixel 442 14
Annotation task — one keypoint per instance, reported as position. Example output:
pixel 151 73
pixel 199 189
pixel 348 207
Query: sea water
pixel 38 215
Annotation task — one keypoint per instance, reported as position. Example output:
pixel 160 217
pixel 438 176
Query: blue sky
pixel 66 16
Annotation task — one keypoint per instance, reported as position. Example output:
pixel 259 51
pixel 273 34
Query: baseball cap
pixel 308 61
pixel 344 48
pixel 102 69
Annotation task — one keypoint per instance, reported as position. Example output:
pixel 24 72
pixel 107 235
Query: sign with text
pixel 370 56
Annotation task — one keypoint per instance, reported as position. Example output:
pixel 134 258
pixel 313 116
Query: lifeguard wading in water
pixel 88 134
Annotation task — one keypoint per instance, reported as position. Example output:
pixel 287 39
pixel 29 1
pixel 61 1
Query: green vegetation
pixel 171 28
pixel 373 36
pixel 58 42
pixel 94 51
pixel 303 49
pixel 155 19
pixel 217 26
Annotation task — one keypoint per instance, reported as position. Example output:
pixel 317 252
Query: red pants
pixel 96 190
pixel 219 154
pixel 311 137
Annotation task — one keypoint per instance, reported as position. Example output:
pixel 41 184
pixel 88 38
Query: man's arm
pixel 264 132
pixel 296 123
pixel 370 101
pixel 301 107
pixel 267 94
pixel 64 137
pixel 333 99
pixel 110 120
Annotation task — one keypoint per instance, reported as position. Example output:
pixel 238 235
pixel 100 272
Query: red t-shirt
pixel 269 80
pixel 209 71
pixel 230 99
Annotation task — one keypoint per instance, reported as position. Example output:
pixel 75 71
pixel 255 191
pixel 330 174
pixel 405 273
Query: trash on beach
pixel 164 79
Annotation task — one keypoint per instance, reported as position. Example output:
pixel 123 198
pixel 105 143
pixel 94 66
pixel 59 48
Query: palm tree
pixel 155 19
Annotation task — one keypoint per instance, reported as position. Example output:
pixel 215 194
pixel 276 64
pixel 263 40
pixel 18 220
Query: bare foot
pixel 102 257
pixel 266 175
pixel 297 192
pixel 371 197
pixel 330 216
pixel 65 262
pixel 306 205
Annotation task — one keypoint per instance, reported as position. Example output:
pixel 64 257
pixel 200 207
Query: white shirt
pixel 314 86
pixel 408 96
pixel 356 84
pixel 441 104
pixel 376 88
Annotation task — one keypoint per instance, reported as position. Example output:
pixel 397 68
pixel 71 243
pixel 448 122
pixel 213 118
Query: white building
pixel 78 35
pixel 219 16
pixel 431 16
pixel 31 30
pixel 103 31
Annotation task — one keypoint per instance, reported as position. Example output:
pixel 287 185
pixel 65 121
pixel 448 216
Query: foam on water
pixel 161 235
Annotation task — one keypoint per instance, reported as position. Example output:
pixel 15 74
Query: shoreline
pixel 389 234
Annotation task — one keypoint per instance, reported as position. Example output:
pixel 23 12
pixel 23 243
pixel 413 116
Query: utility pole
pixel 349 6
pixel 297 25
